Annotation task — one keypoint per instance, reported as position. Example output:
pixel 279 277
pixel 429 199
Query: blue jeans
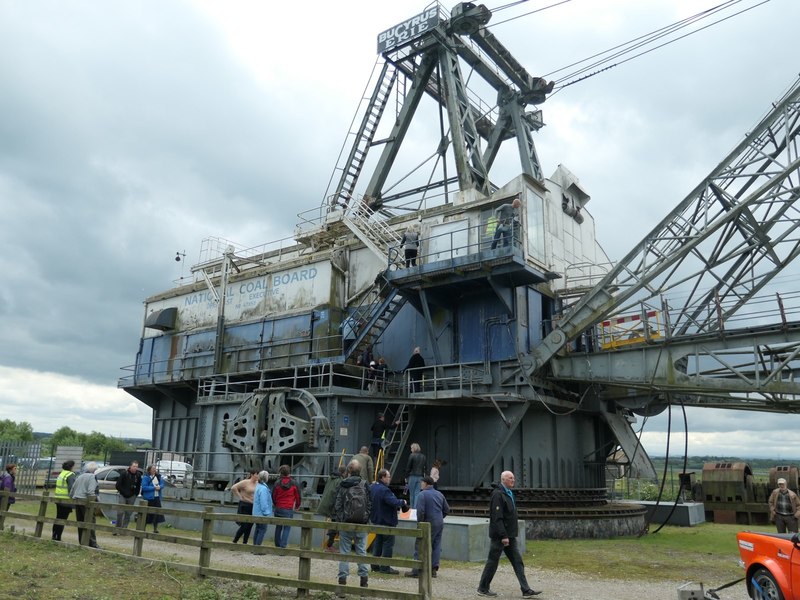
pixel 413 489
pixel 282 531
pixel 260 532
pixel 504 232
pixel 346 539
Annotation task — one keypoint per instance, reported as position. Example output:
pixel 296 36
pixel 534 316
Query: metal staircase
pixel 371 229
pixel 398 438
pixel 377 309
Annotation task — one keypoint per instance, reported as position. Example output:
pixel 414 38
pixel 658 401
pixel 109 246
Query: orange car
pixel 772 564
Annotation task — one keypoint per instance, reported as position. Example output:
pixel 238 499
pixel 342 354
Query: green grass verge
pixel 40 570
pixel 705 553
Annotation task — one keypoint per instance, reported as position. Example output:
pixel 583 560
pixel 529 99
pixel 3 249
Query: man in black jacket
pixel 128 485
pixel 503 531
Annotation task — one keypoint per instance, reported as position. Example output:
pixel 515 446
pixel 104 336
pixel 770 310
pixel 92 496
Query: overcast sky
pixel 131 131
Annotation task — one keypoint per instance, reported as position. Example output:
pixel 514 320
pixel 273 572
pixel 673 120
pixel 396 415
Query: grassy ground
pixel 45 571
pixel 35 570
pixel 705 553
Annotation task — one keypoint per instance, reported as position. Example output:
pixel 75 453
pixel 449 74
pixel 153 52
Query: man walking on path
pixel 128 485
pixel 503 531
pixel 384 512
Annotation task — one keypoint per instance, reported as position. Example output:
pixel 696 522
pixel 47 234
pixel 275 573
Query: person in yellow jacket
pixel 64 484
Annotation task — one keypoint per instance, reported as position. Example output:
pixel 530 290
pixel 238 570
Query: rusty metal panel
pixel 727 482
pixel 787 472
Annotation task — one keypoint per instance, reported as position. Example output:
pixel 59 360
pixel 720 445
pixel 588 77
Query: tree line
pixel 95 444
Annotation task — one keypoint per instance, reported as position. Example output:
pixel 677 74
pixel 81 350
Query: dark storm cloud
pixel 126 136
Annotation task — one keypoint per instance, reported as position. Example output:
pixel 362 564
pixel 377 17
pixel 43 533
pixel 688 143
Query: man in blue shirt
pixel 503 531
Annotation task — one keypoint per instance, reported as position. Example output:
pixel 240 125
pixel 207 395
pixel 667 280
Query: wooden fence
pixel 305 553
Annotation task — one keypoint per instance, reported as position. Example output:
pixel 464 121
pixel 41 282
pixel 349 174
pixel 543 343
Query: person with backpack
pixel 285 499
pixel 353 505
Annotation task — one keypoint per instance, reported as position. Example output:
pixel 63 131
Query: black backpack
pixel 354 504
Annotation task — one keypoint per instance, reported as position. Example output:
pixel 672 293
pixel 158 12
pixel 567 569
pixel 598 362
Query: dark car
pixel 107 476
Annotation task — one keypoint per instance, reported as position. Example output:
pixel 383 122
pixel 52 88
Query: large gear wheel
pixel 279 426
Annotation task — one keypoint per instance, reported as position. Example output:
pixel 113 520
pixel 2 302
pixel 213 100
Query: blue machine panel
pixel 534 318
pixel 482 329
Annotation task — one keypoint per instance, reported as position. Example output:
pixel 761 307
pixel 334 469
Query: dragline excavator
pixel 539 352
pixel 691 300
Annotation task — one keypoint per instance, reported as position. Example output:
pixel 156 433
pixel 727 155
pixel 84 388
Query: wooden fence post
pixel 141 523
pixel 425 556
pixel 90 520
pixel 3 508
pixel 304 566
pixel 39 528
pixel 83 532
pixel 207 537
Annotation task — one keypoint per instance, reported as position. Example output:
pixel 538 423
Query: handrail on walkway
pixel 305 553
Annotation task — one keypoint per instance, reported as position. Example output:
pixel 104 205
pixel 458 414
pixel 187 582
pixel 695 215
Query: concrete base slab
pixel 686 514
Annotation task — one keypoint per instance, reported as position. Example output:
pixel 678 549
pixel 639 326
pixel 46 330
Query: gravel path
pixel 454 582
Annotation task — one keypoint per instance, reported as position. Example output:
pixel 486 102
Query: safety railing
pixel 627 330
pixel 466 241
pixel 455 377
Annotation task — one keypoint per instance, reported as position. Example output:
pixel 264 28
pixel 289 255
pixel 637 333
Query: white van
pixel 176 472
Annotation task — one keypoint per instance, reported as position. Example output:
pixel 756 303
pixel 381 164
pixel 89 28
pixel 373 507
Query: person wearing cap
pixel 372 377
pixel 784 508
pixel 432 508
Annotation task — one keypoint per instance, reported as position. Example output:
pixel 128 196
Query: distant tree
pixel 117 445
pixel 66 436
pixel 16 432
pixel 94 444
